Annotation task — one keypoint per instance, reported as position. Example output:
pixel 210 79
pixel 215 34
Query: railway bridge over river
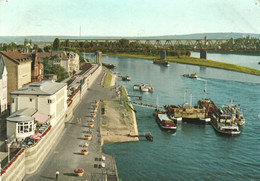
pixel 142 44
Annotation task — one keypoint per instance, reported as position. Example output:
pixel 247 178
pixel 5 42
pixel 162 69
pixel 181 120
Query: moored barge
pixel 165 122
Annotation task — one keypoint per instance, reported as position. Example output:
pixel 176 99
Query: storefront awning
pixel 41 118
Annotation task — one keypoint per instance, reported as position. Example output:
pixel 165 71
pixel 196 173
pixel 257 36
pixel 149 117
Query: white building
pixel 3 86
pixel 67 60
pixel 36 100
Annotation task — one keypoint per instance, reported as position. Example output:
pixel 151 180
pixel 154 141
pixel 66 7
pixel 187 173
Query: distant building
pixel 98 57
pixel 67 60
pixel 19 70
pixel 3 86
pixel 43 55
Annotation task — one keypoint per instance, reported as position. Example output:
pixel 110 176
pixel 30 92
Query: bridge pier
pixel 163 55
pixel 203 54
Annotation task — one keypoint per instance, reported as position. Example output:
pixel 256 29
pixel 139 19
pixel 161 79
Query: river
pixel 193 152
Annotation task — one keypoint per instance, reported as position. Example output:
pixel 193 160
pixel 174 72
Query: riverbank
pixel 195 61
pixel 117 123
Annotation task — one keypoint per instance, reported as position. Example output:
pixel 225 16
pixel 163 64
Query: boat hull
pixel 158 120
pixel 225 131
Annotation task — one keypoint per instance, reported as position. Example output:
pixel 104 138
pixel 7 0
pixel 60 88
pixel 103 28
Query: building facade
pixel 34 103
pixel 67 60
pixel 98 57
pixel 3 86
pixel 18 67
pixel 46 97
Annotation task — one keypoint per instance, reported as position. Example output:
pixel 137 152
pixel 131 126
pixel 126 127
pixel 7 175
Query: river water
pixel 193 152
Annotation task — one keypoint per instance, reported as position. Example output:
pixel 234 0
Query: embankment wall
pixel 28 160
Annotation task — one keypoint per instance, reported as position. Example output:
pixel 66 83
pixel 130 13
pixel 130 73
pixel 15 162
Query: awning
pixel 41 118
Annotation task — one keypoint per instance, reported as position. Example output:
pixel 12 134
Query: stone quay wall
pixel 28 160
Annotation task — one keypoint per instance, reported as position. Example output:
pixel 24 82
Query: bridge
pixel 132 45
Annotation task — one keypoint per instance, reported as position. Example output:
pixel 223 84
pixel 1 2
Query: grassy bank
pixel 125 98
pixel 195 61
pixel 108 78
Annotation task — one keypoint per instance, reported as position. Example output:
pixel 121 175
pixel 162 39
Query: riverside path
pixel 65 156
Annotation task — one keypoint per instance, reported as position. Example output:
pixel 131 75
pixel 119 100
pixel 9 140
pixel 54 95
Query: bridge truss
pixel 167 44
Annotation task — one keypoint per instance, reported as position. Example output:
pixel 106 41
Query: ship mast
pixel 191 99
pixel 205 90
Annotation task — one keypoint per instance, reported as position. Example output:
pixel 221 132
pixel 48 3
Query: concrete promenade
pixel 66 155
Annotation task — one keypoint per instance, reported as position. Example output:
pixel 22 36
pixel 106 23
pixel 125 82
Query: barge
pixel 161 62
pixel 165 122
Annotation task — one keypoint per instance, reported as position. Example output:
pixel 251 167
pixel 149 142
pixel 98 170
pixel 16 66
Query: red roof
pixel 15 56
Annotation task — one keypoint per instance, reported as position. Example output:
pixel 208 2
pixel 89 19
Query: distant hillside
pixel 49 39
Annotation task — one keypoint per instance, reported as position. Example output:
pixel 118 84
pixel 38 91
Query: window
pixel 49 101
pixel 25 127
pixel 12 100
pixel 30 99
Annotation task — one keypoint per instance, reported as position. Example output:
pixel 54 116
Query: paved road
pixel 65 156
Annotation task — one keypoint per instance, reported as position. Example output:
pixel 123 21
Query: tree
pixel 39 50
pixel 56 44
pixel 67 43
pixel 47 48
pixel 25 41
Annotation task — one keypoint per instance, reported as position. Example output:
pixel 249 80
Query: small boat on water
pixel 109 65
pixel 193 76
pixel 136 87
pixel 126 78
pixel 143 87
pixel 161 62
pixel 165 122
pixel 235 112
pixel 224 124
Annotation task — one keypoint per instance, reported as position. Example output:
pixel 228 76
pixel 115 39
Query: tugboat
pixel 235 112
pixel 164 122
pixel 224 124
pixel 193 76
pixel 221 122
pixel 126 78
pixel 109 65
pixel 161 62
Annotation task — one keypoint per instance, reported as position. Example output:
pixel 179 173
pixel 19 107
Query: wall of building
pixel 12 81
pixel 3 92
pixel 40 103
pixel 24 74
pixel 16 171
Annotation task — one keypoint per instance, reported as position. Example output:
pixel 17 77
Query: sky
pixel 127 17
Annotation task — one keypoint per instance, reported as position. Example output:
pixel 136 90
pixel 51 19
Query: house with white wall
pixel 66 59
pixel 3 86
pixel 46 98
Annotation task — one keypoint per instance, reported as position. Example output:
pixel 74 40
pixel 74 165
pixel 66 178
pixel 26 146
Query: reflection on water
pixel 194 152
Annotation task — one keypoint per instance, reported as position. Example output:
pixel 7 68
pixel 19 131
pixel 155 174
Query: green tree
pixel 25 42
pixel 47 48
pixel 56 44
pixel 39 50
pixel 60 72
pixel 67 43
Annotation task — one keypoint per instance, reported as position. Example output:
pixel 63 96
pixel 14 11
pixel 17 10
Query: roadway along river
pixel 194 152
